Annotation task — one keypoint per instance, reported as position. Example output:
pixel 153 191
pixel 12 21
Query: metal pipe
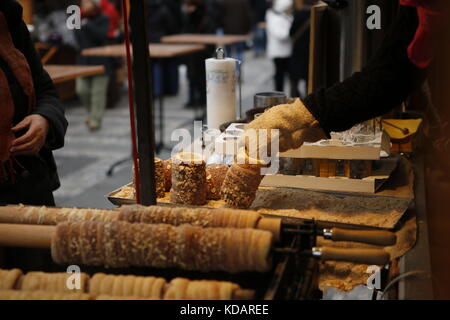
pixel 144 101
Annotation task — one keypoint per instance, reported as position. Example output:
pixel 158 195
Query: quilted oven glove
pixel 295 123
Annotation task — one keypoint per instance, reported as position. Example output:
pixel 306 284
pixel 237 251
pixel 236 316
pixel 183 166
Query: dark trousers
pixel 281 71
pixel 295 92
pixel 196 73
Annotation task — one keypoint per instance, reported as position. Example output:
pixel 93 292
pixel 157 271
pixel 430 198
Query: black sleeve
pixel 295 25
pixel 384 84
pixel 48 103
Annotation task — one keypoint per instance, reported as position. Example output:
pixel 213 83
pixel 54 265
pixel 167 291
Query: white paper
pixel 221 91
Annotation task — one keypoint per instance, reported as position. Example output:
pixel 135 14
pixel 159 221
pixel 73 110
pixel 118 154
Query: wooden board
pixel 341 152
pixel 63 73
pixel 207 39
pixel 339 184
pixel 156 50
pixel 334 152
pixel 342 184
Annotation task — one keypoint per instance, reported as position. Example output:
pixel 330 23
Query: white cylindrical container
pixel 221 91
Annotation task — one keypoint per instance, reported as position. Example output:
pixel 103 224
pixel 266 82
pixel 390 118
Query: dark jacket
pixel 162 19
pixel 384 84
pixel 94 33
pixel 259 8
pixel 199 21
pixel 236 16
pixel 40 169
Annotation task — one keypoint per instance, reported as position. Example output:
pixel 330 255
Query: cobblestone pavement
pixel 86 157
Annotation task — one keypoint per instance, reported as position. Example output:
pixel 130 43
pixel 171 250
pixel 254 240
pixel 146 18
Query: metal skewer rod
pixel 403 130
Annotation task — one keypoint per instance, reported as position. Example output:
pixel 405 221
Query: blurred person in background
pixel 198 21
pixel 93 90
pixel 259 8
pixel 111 10
pixel 176 11
pixel 163 20
pixel 50 18
pixel 279 21
pixel 236 18
pixel 300 36
pixel 32 121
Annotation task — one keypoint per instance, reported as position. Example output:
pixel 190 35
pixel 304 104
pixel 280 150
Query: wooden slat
pixel 63 73
pixel 207 39
pixel 156 50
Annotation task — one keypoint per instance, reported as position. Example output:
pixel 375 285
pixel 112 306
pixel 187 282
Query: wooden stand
pixel 26 236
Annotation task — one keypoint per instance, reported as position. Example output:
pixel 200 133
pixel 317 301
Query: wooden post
pixel 316 167
pixel 332 168
pixel 323 171
pixel 347 168
pixel 369 168
pixel 27 6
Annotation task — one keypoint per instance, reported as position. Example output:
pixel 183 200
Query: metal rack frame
pixel 145 115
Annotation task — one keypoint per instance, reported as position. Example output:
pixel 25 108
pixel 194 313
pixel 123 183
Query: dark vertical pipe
pixel 136 177
pixel 144 101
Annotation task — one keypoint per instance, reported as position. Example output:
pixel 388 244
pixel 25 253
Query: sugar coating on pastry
pixel 188 179
pixel 166 246
pixel 215 175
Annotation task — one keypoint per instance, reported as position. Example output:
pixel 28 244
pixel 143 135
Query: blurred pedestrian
pixel 110 11
pixel 32 121
pixel 198 21
pixel 115 36
pixel 300 36
pixel 93 90
pixel 279 21
pixel 236 18
pixel 259 8
pixel 163 20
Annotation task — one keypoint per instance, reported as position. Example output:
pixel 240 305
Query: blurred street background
pixel 96 94
pixel 85 159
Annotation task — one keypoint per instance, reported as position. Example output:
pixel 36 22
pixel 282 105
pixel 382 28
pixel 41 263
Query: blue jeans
pixel 236 51
pixel 259 41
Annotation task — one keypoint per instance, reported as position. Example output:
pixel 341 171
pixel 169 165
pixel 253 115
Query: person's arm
pixel 48 104
pixel 384 84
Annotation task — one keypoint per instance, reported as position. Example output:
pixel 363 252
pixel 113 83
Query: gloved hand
pixel 295 123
